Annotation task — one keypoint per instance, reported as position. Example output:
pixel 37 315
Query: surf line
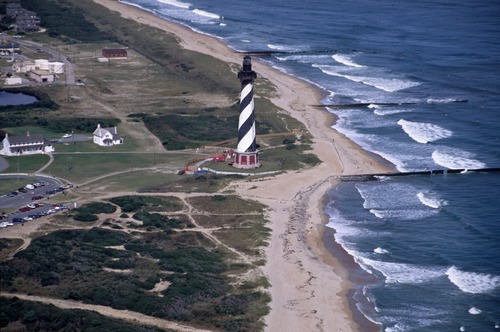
pixel 378 104
pixel 377 177
pixel 272 52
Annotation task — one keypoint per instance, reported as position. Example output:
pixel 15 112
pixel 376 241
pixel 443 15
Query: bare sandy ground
pixel 308 285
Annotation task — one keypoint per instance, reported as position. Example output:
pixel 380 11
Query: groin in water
pixel 376 177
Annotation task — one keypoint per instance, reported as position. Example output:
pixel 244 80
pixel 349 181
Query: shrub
pixel 96 207
pixel 85 217
pixel 218 198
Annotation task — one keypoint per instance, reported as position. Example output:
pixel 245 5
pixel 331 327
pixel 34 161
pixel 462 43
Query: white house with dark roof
pixel 25 145
pixel 107 136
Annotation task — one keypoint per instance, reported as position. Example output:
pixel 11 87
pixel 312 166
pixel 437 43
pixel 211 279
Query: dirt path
pixel 126 315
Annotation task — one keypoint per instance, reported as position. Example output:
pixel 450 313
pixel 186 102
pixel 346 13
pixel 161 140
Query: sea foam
pixel 431 201
pixel 379 250
pixel 175 3
pixel 404 273
pixel 345 60
pixel 457 160
pixel 386 84
pixel 471 282
pixel 474 311
pixel 424 132
pixel 205 14
pixel 389 111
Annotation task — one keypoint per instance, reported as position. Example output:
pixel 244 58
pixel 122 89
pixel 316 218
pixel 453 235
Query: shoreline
pixel 299 265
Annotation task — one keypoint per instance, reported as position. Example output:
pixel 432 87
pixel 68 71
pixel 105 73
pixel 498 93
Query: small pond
pixel 18 98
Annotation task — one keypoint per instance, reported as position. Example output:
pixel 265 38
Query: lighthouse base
pixel 246 160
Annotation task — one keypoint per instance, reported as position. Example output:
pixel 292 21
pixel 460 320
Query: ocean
pixel 425 78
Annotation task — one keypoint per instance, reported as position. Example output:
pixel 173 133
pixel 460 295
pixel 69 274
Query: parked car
pixel 18 220
pixel 25 209
pixel 12 194
pixel 36 198
pixel 67 135
pixel 22 190
pixel 29 187
pixel 31 206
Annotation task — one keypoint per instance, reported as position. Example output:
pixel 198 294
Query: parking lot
pixel 32 200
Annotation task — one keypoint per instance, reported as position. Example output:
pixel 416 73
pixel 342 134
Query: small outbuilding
pixel 41 76
pixel 23 66
pixel 115 53
pixel 13 80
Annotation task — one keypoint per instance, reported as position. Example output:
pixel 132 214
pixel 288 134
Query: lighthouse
pixel 246 155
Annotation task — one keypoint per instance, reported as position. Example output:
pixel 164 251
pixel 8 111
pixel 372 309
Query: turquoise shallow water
pixel 431 242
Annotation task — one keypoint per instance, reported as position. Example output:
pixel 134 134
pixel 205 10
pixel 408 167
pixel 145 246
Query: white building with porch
pixel 107 136
pixel 25 145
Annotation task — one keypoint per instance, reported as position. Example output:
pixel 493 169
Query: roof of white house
pixel 101 132
pixel 26 139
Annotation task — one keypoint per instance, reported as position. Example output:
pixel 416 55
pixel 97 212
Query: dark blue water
pixel 432 242
pixel 10 98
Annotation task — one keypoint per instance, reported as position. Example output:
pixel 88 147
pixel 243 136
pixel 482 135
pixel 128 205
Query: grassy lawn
pixel 131 181
pixel 25 164
pixel 82 167
pixel 12 184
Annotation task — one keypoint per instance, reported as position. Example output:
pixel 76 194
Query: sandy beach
pixel 308 284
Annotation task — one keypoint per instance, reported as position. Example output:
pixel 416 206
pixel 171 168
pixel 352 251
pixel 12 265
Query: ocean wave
pixel 285 48
pixel 457 160
pixel 431 201
pixel 422 132
pixel 303 58
pixel 475 311
pixel 443 101
pixel 206 14
pixel 379 250
pixel 345 60
pixel 175 3
pixel 385 84
pixel 395 273
pixel 389 111
pixel 403 214
pixel 471 282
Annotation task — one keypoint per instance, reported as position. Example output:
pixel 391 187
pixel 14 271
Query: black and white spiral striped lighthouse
pixel 247 155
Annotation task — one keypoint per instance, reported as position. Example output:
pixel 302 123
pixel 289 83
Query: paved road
pixel 56 55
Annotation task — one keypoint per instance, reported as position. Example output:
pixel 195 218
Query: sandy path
pixel 126 315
